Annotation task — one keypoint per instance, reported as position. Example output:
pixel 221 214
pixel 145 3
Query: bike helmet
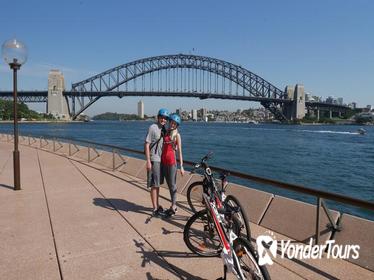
pixel 163 113
pixel 176 118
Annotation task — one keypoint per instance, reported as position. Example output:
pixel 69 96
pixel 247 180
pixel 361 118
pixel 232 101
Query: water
pixel 331 158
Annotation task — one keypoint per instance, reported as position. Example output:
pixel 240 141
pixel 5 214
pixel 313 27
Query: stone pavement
pixel 74 220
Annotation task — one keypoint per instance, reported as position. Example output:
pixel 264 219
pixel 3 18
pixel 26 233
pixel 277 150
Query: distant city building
pixel 317 98
pixel 203 114
pixel 194 115
pixel 330 100
pixel 141 109
pixel 308 97
pixel 352 105
pixel 369 108
pixel 179 111
pixel 340 101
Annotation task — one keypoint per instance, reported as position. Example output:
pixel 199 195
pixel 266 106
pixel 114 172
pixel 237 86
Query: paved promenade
pixel 74 220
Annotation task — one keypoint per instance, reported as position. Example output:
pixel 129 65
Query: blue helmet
pixel 176 118
pixel 163 113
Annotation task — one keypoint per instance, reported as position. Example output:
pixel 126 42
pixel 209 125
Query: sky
pixel 328 46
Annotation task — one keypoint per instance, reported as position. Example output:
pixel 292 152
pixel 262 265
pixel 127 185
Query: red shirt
pixel 168 152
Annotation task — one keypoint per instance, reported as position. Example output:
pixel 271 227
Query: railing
pixel 320 195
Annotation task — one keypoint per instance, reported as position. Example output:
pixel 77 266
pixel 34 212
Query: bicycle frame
pixel 209 179
pixel 226 241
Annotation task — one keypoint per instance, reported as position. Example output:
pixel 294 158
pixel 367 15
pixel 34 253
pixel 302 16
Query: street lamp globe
pixel 14 52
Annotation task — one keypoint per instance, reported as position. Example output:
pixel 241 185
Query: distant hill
pixel 6 112
pixel 116 117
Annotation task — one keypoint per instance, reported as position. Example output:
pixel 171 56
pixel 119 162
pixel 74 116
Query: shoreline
pixel 45 121
pixel 229 122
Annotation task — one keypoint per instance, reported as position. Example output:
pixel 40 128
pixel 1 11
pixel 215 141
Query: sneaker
pixel 158 212
pixel 171 212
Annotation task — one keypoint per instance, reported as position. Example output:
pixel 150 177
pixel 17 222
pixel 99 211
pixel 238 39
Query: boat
pixel 361 131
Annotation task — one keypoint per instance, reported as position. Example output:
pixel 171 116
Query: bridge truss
pixel 26 96
pixel 178 75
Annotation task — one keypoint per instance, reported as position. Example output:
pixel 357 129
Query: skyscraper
pixel 194 115
pixel 141 109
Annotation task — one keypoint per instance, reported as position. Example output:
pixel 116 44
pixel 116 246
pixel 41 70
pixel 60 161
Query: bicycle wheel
pixel 195 196
pixel 200 235
pixel 240 217
pixel 246 261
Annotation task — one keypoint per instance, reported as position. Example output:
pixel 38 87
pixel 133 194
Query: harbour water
pixel 333 158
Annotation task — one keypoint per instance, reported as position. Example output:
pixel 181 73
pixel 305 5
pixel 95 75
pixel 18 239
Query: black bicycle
pixel 216 230
pixel 196 201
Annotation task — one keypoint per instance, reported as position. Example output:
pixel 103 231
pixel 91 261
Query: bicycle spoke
pixel 200 235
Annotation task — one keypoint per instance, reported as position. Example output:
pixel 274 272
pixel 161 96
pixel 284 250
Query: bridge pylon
pixel 295 110
pixel 57 104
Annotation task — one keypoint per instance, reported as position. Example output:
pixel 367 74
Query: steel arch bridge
pixel 178 75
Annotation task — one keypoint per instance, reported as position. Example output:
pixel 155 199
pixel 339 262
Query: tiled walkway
pixel 72 220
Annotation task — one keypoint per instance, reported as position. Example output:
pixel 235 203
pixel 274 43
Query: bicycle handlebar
pixel 202 162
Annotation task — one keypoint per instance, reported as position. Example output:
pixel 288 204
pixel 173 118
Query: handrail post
pixel 332 225
pixel 318 219
pixel 113 160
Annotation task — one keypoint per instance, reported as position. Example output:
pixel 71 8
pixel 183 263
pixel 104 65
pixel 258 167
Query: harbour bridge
pixel 178 75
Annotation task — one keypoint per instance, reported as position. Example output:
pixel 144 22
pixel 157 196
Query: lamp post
pixel 14 53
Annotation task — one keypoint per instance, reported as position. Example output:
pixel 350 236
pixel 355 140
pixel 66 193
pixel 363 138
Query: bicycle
pixel 213 232
pixel 195 195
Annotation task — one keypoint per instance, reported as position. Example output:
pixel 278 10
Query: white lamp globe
pixel 14 52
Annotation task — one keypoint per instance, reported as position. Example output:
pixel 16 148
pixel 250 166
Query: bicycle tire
pixel 248 269
pixel 241 216
pixel 195 196
pixel 200 235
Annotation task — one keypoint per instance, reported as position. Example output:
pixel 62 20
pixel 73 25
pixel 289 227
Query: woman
pixel 172 144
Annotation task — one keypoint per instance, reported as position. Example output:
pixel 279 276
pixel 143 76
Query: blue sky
pixel 326 45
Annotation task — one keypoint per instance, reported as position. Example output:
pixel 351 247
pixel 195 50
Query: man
pixel 153 149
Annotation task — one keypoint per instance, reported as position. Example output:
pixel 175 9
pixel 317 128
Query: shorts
pixel 154 176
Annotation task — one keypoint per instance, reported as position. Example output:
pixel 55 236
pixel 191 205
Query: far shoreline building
pixel 141 109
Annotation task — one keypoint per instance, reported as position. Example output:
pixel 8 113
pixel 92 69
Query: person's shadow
pixel 117 204
pixel 121 205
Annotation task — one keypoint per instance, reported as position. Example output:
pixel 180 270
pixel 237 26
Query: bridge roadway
pixel 79 220
pixel 42 96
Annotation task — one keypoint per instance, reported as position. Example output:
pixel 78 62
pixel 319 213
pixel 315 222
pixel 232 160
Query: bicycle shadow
pixel 157 258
